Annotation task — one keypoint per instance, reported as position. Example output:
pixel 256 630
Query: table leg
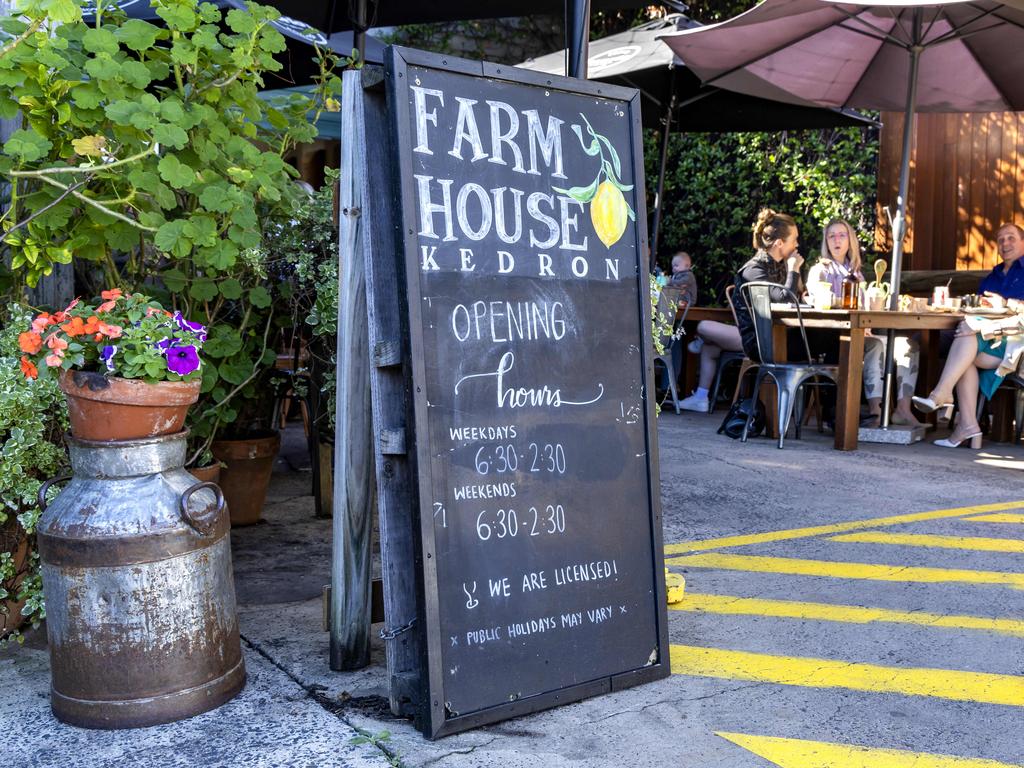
pixel 851 373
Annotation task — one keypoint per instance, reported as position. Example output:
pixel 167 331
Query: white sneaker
pixel 695 403
pixel 696 345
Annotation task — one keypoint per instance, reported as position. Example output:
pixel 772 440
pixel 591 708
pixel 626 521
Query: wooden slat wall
pixel 967 177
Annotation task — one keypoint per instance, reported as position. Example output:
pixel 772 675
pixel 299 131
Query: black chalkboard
pixel 535 451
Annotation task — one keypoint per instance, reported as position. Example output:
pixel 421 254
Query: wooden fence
pixel 967 178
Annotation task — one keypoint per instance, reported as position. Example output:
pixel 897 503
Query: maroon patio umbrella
pixel 959 56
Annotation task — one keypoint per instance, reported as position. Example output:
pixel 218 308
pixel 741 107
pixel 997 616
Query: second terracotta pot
pixel 111 408
pixel 12 541
pixel 245 475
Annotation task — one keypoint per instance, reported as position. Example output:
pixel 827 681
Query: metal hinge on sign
pixel 391 634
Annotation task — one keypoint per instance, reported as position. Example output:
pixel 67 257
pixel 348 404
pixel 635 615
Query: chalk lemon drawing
pixel 608 207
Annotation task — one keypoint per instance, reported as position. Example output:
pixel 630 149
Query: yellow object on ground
pixel 675 587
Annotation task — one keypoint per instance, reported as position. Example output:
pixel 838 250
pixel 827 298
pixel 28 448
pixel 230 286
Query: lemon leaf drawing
pixel 614 155
pixel 580 194
pixel 613 178
pixel 594 147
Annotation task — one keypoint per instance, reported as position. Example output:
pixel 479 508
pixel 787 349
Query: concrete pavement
pixel 833 630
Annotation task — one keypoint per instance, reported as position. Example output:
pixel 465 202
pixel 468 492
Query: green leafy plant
pixel 716 183
pixel 380 741
pixel 308 245
pixel 148 158
pixel 33 418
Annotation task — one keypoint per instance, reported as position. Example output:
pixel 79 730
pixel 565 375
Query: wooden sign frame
pixel 424 697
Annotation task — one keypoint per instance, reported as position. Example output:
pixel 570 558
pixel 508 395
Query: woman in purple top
pixel 840 257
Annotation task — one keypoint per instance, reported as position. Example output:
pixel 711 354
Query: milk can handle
pixel 203 525
pixel 41 498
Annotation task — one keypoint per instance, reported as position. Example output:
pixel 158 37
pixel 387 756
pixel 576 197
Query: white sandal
pixel 927 405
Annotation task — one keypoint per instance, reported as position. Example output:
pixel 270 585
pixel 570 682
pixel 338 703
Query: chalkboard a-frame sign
pixel 522 215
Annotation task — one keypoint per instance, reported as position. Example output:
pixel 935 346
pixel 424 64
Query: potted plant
pixel 149 161
pixel 128 367
pixel 33 418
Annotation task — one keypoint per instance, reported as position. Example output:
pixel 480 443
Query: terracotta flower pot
pixel 208 474
pixel 246 474
pixel 110 408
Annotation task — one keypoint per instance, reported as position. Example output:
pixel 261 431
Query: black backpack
pixel 736 418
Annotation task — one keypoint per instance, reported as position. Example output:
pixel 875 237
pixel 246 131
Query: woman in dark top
pixel 776 261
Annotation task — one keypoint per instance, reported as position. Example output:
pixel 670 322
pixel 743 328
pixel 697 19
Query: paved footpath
pixel 857 610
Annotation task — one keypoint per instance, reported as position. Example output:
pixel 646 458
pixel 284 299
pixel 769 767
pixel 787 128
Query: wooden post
pixel 392 404
pixel 353 462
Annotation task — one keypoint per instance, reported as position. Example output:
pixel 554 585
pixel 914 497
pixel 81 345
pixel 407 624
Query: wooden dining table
pixel 851 326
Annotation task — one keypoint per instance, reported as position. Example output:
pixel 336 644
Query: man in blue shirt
pixel 1007 279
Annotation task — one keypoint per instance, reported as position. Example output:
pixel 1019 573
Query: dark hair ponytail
pixel 771 226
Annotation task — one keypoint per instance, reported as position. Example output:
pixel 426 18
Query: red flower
pixel 30 342
pixel 57 344
pixel 106 306
pixel 74 327
pixel 112 294
pixel 108 330
pixel 28 368
pixel 41 322
pixel 55 360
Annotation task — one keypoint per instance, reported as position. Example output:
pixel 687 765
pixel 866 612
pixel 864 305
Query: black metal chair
pixel 790 377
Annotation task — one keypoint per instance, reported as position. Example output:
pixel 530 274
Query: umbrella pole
pixel 359 25
pixel 577 33
pixel 659 195
pixel 899 222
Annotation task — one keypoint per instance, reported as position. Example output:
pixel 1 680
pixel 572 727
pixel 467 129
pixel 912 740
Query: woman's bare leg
pixel 717 337
pixel 961 358
pixel 967 397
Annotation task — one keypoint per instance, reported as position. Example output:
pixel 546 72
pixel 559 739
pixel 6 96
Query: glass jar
pixel 850 298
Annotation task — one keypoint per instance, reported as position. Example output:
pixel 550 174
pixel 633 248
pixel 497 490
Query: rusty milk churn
pixel 140 600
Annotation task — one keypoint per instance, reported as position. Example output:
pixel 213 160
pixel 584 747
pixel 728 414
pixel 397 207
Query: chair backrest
pixel 758 297
pixel 728 300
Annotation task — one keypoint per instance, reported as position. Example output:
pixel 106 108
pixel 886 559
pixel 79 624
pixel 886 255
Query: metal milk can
pixel 140 598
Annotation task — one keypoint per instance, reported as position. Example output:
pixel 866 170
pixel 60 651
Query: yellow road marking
pixel 927 540
pixel 851 614
pixel 869 571
pixel 824 530
pixel 1006 517
pixel 980 687
pixel 798 753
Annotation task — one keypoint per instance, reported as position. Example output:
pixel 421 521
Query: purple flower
pixel 107 355
pixel 196 328
pixel 182 360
